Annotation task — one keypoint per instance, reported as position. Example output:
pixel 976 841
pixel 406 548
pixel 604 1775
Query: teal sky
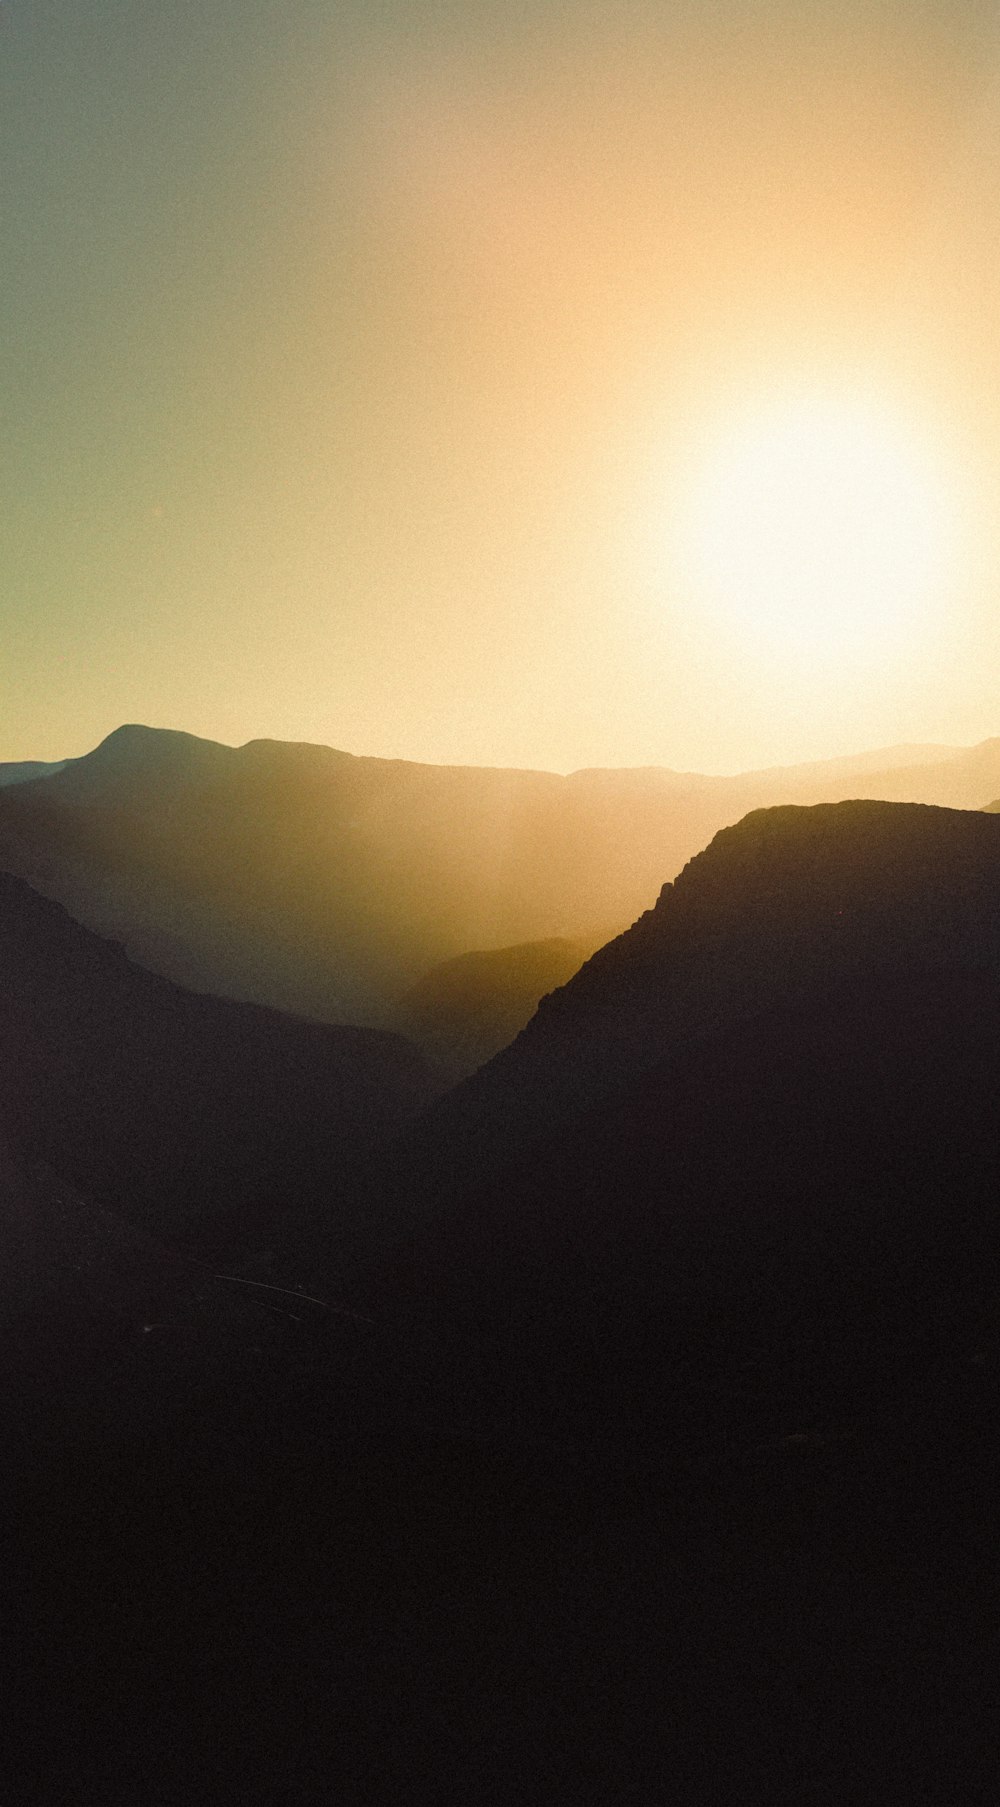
pixel 352 357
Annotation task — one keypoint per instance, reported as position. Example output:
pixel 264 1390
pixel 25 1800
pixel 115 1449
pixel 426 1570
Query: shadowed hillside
pixel 673 1449
pixel 464 1011
pixel 777 908
pixel 789 1228
pixel 193 1116
pixel 105 1331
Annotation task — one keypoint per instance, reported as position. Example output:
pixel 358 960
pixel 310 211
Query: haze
pixel 358 369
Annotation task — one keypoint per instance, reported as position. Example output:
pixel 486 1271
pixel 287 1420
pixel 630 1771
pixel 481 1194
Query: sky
pixel 367 368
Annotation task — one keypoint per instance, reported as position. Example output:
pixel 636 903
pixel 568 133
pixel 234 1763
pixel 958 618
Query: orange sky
pixel 355 364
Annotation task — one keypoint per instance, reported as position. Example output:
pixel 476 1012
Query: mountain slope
pixel 105 1332
pixel 193 1116
pixel 722 1342
pixel 775 909
pixel 738 1178
pixel 464 1011
pixel 788 1230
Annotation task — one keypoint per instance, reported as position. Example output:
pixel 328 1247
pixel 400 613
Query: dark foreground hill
pixel 778 1080
pixel 106 1332
pixel 776 910
pixel 670 1466
pixel 198 1118
pixel 307 878
pixel 791 1229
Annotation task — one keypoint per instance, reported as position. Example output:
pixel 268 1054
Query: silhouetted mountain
pixel 193 1116
pixel 775 910
pixel 465 1010
pixel 133 764
pixel 789 1228
pixel 673 1453
pixel 737 1180
pixel 327 884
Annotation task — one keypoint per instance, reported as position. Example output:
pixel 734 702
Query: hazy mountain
pixel 22 771
pixel 196 1117
pixel 330 884
pixel 465 1010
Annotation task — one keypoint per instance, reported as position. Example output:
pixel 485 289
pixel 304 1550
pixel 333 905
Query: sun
pixel 821 528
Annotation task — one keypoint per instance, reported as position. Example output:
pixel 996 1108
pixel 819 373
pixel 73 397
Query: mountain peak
pixel 118 770
pixel 137 739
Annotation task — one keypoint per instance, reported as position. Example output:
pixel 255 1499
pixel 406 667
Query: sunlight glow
pixel 824 529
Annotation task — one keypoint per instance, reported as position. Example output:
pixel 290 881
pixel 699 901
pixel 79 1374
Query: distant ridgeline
pixel 341 888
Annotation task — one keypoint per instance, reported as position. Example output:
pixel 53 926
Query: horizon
pixel 922 752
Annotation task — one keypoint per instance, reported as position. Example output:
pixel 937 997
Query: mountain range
pixel 333 885
pixel 625 1411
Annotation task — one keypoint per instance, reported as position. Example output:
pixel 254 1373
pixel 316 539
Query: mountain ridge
pixel 903 754
pixel 782 902
pixel 330 884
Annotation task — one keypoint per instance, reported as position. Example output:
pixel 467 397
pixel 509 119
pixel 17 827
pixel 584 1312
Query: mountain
pixel 24 770
pixel 464 1011
pixel 789 1229
pixel 788 901
pixel 329 884
pixel 673 1452
pixel 196 1118
pixel 738 1178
